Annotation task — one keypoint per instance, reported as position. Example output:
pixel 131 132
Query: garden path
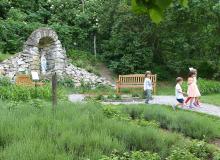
pixel 163 100
pixel 170 100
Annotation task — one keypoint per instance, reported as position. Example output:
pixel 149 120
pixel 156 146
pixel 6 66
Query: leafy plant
pixel 199 149
pixel 67 82
pixel 135 155
pixel 181 154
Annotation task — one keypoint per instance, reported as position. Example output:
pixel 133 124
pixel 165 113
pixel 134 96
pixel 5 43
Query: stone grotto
pixel 43 53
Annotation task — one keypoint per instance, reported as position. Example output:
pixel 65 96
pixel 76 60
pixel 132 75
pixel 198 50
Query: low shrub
pixel 208 86
pixel 189 123
pixel 181 154
pixel 22 93
pixel 82 131
pixel 114 97
pixel 216 156
pixel 76 132
pixel 199 149
pixel 67 82
pixel 135 155
pixel 110 112
pixel 4 81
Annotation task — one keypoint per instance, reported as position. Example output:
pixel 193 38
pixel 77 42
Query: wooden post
pixel 54 90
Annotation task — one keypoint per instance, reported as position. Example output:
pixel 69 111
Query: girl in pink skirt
pixel 193 91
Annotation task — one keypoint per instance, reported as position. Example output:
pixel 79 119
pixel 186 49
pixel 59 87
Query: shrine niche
pixel 47 53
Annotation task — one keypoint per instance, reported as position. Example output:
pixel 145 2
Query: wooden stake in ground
pixel 54 90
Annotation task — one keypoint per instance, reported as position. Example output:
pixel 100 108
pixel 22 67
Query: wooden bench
pixel 25 80
pixel 134 81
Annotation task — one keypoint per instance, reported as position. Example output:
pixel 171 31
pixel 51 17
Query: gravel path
pixel 76 97
pixel 163 100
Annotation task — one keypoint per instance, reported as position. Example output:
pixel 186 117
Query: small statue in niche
pixel 43 61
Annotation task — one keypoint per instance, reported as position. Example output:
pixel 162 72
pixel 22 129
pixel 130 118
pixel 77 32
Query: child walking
pixel 179 93
pixel 148 86
pixel 193 91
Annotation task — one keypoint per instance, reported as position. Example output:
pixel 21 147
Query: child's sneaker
pixel 195 104
pixel 191 106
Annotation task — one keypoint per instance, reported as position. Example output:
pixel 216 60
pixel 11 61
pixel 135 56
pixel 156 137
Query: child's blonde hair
pixel 147 73
pixel 179 79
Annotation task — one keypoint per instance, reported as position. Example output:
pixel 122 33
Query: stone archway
pixel 45 41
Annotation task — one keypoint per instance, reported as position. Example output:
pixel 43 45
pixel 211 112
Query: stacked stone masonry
pixel 45 40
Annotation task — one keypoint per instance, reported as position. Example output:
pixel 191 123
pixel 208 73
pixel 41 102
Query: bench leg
pixel 118 90
pixel 155 90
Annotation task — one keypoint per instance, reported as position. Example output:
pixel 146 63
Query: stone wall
pixel 29 60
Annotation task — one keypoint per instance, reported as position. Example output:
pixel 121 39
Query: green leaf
pixel 184 3
pixel 156 15
pixel 163 3
pixel 138 7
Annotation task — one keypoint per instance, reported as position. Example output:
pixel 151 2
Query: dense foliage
pixel 127 42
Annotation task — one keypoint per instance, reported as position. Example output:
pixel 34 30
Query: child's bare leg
pixel 191 102
pixel 197 100
pixel 187 100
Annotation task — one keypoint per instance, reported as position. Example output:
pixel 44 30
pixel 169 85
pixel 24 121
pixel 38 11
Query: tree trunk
pixel 94 42
pixel 83 5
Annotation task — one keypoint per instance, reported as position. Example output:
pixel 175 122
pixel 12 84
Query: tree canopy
pixel 155 8
pixel 127 42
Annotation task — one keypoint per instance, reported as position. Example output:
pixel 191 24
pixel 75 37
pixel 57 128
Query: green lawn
pixel 165 88
pixel 211 99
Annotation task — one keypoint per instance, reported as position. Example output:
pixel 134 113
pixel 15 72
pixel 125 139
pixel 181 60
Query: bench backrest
pixel 135 79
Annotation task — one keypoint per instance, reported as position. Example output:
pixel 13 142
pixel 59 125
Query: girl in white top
pixel 148 87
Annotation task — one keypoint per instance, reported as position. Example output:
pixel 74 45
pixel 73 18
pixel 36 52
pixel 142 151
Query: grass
pixel 75 131
pixel 211 99
pixel 4 56
pixel 165 88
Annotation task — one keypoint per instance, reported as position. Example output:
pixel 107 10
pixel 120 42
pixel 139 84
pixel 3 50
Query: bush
pixel 199 149
pixel 188 123
pixel 135 155
pixel 216 156
pixel 208 86
pixel 22 93
pixel 4 81
pixel 67 82
pixel 181 154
